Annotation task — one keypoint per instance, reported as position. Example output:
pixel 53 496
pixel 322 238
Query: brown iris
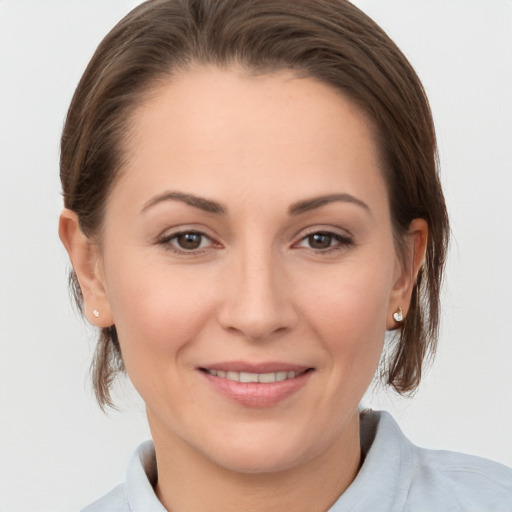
pixel 190 240
pixel 320 240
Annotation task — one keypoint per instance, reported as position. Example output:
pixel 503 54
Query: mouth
pixel 251 377
pixel 260 385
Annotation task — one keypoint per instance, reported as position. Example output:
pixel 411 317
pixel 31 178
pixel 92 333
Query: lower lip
pixel 255 394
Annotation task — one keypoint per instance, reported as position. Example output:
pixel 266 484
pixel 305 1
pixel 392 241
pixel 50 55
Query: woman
pixel 252 202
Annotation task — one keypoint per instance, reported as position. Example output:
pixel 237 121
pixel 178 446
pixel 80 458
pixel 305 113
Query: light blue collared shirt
pixel 396 476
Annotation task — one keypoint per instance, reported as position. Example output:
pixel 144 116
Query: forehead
pixel 216 130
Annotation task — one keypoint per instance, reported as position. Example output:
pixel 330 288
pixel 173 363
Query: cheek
pixel 348 314
pixel 157 311
pixel 351 300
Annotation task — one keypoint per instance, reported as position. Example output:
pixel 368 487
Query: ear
pixel 86 260
pixel 406 275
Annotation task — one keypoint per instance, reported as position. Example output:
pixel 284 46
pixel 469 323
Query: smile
pixel 256 385
pixel 247 377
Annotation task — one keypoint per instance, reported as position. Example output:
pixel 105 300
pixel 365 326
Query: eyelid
pixel 330 230
pixel 178 229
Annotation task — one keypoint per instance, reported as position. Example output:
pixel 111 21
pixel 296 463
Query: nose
pixel 257 297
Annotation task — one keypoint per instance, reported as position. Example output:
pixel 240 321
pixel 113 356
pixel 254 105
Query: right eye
pixel 186 241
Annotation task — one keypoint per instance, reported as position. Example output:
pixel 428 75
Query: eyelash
pixel 343 242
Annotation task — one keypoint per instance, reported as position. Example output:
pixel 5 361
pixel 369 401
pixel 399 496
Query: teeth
pixel 246 377
pixel 267 377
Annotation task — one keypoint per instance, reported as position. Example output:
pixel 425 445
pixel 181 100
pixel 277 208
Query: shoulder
pixel 445 480
pixel 114 501
pixel 458 482
pixel 397 476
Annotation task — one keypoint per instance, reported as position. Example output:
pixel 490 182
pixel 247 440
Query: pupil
pixel 320 241
pixel 189 240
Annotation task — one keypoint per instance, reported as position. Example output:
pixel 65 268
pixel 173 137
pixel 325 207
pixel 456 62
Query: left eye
pixel 324 240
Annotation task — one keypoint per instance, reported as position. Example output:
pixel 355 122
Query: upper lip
pixel 264 367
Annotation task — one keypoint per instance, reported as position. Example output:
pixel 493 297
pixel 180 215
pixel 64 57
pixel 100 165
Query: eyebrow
pixel 317 202
pixel 210 206
pixel 197 202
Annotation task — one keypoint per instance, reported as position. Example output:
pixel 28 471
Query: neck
pixel 188 481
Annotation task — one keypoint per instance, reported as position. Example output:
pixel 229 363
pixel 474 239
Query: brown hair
pixel 329 40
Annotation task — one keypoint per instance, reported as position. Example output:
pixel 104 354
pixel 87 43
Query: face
pixel 247 261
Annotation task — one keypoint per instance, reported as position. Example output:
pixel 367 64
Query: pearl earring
pixel 398 315
pixel 95 313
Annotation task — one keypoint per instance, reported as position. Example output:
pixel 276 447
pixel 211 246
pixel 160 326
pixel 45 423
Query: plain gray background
pixel 57 450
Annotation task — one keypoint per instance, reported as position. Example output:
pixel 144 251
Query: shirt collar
pixel 384 479
pixel 141 476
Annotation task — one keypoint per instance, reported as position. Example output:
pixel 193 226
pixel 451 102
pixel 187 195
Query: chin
pixel 258 461
pixel 262 452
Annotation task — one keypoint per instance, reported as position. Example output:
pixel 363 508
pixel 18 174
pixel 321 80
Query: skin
pixel 258 288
